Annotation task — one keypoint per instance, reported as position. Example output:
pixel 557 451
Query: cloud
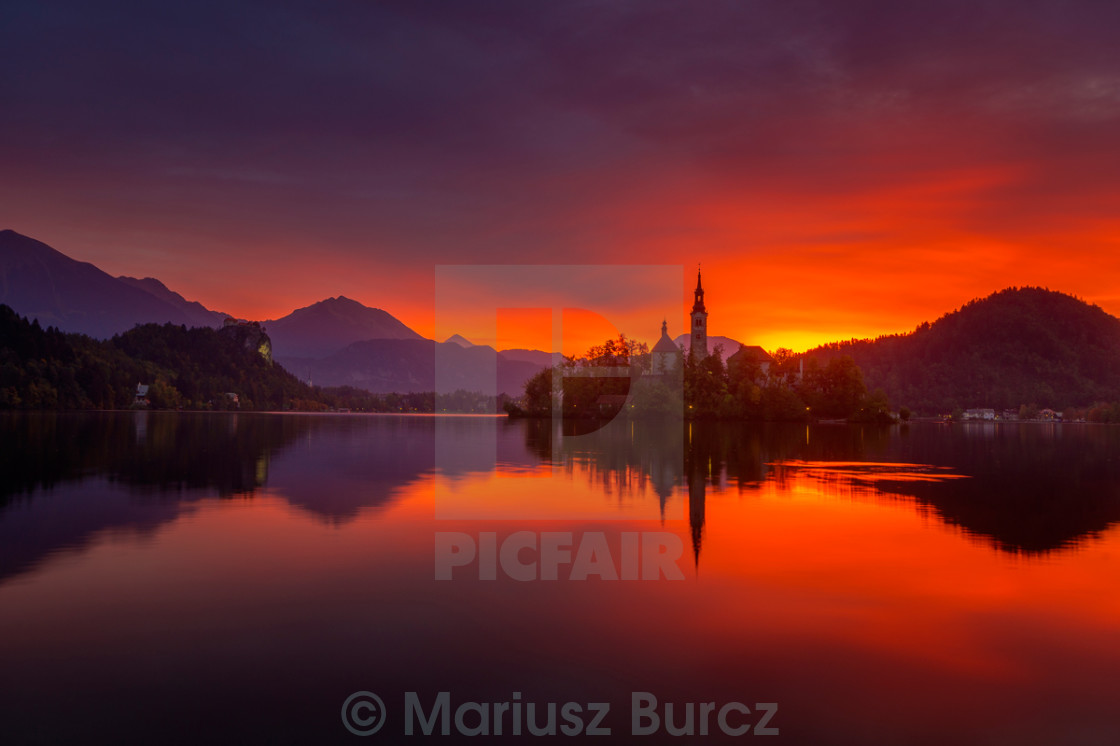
pixel 387 138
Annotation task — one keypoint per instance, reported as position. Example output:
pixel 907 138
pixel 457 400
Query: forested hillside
pixel 1018 346
pixel 190 368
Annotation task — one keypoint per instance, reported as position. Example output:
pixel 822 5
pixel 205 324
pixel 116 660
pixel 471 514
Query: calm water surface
pixel 213 578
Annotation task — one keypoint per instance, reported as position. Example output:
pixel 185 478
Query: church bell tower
pixel 699 345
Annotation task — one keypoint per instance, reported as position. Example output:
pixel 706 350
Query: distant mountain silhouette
pixel 460 340
pixel 730 346
pixel 405 365
pixel 199 314
pixel 537 358
pixel 1017 346
pixel 41 283
pixel 329 326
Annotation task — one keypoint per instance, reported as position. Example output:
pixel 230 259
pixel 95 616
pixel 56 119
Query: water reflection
pixel 271 565
pixel 68 478
pixel 1026 488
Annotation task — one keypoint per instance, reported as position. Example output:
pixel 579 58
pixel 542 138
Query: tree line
pixel 1020 346
pixel 700 388
pixel 183 368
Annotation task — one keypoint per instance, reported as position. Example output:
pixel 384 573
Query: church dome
pixel 665 344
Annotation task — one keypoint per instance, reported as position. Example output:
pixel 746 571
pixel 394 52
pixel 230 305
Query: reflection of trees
pixel 76 475
pixel 1034 488
pixel 623 456
pixel 1029 488
pixel 149 451
pixel 741 453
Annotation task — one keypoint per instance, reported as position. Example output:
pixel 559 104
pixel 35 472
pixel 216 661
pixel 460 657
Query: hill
pixel 730 346
pixel 415 365
pixel 42 283
pixel 330 325
pixel 192 368
pixel 1017 346
pixel 538 358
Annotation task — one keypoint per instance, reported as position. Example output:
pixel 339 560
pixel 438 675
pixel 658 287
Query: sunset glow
pixel 841 171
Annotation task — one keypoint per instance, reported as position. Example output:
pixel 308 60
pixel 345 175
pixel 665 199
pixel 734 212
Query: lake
pixel 256 578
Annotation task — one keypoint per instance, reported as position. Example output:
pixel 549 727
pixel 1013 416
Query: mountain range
pixel 385 366
pixel 337 341
pixel 1018 346
pixel 42 283
pixel 198 313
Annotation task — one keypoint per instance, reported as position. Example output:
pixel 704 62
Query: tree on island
pixel 711 389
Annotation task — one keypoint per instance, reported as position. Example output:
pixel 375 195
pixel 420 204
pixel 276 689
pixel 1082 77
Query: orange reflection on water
pixel 852 608
pixel 796 560
pixel 867 472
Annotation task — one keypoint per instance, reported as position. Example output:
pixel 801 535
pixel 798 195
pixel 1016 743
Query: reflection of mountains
pixel 191 455
pixel 67 478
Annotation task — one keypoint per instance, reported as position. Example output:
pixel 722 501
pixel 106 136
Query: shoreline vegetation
pixel 172 367
pixel 700 388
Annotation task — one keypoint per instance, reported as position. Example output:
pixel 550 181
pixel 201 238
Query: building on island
pixel 748 357
pixel 665 354
pixel 699 334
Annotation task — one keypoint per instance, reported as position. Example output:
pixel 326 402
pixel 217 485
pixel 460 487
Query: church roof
pixel 752 354
pixel 665 344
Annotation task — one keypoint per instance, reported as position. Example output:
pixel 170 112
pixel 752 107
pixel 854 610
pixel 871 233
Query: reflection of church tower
pixel 697 458
pixel 697 483
pixel 699 346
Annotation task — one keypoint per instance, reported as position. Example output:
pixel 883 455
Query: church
pixel 665 352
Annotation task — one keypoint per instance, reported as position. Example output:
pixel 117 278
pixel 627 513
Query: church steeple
pixel 699 346
pixel 698 303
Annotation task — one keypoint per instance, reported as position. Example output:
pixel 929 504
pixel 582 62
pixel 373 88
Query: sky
pixel 841 168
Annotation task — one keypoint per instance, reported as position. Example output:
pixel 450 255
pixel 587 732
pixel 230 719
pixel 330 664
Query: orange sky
pixel 841 171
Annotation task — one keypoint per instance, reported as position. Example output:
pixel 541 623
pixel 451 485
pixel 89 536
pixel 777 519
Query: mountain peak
pixel 331 325
pixel 42 283
pixel 334 305
pixel 459 340
pixel 13 243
